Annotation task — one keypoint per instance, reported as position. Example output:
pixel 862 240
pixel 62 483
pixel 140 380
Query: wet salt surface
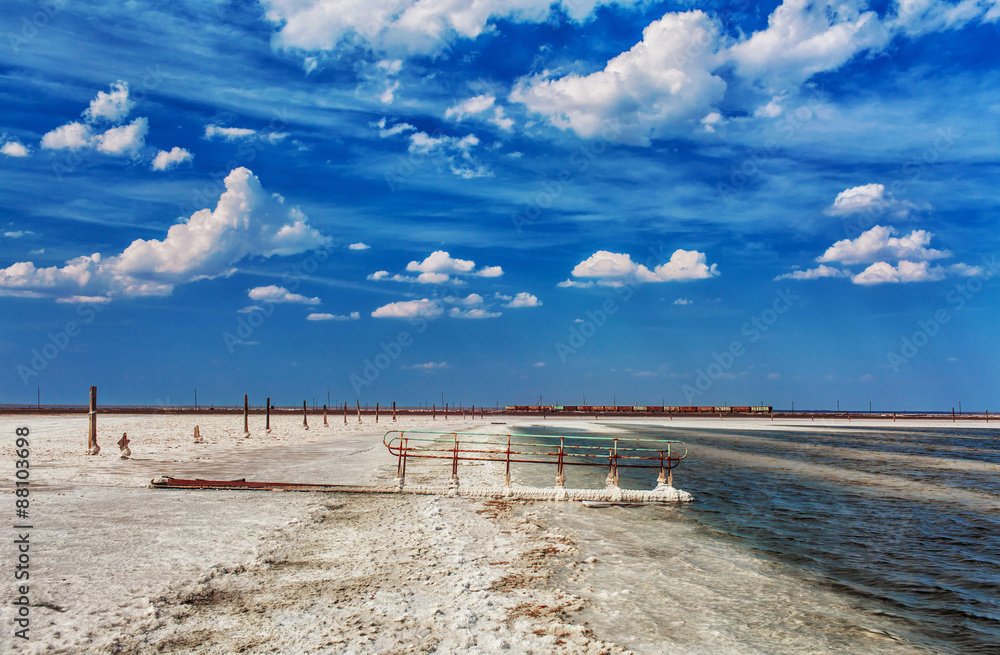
pixel 846 540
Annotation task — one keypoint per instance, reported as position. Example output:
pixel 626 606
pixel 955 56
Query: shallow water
pixel 825 540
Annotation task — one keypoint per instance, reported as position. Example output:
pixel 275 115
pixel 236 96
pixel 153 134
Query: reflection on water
pixel 831 540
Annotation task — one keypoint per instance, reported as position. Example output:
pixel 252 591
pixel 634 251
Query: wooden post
pixel 952 414
pixel 359 410
pixel 92 447
pixel 446 411
pixel 345 412
pixel 246 416
pixel 267 416
pixel 434 412
pixel 394 410
pixel 305 416
pixel 376 412
pixel 324 417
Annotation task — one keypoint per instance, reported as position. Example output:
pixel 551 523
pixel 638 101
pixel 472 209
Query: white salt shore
pixel 119 567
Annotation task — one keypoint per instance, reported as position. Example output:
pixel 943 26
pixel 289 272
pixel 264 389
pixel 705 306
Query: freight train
pixel 636 409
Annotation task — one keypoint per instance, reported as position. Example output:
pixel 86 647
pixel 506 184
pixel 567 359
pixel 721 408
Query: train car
pixel 638 408
pixel 740 410
pixel 570 408
pixel 763 409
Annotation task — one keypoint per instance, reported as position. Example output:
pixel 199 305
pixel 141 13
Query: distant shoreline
pixel 498 414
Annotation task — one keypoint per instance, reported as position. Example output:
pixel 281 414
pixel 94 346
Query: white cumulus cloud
pixel 804 37
pixel 72 136
pixel 358 246
pixel 524 299
pixel 14 149
pixel 439 268
pixel 110 107
pixel 878 249
pixel 423 308
pixel 274 293
pixel 334 317
pixel 814 273
pixel 440 261
pixel 615 269
pixel 168 159
pixel 404 26
pixel 476 106
pixel 247 221
pixel 871 199
pixel 662 84
pixel 879 244
pixel 904 271
pixel 113 106
pixel 125 139
pixel 429 366
pixel 471 300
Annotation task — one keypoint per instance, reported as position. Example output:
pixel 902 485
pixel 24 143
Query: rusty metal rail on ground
pixel 560 450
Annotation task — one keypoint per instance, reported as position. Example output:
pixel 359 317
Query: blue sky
pixel 702 203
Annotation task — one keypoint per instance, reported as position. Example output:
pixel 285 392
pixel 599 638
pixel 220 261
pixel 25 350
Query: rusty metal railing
pixel 561 450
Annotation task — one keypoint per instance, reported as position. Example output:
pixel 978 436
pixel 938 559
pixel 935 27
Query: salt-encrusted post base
pixel 661 494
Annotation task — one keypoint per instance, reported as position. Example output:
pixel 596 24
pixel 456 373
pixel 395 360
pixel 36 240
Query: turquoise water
pixel 887 531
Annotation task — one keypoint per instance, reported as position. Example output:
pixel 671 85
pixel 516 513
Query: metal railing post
pixel 406 447
pixel 560 478
pixel 508 462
